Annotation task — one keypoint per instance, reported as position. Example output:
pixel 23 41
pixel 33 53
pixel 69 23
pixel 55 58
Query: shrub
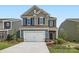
pixel 59 47
pixel 9 37
pixel 76 47
pixel 59 41
pixel 49 43
pixel 19 40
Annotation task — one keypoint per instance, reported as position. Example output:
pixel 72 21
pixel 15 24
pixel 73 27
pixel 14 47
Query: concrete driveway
pixel 27 47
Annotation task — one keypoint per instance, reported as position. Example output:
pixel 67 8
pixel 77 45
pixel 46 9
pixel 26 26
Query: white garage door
pixel 34 35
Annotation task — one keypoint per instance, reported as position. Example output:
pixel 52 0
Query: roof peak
pixel 32 8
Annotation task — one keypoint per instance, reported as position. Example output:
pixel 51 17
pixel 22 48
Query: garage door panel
pixel 34 35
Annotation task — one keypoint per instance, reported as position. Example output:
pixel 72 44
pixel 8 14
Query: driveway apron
pixel 27 47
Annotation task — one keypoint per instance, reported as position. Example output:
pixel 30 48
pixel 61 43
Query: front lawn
pixel 67 47
pixel 54 49
pixel 6 44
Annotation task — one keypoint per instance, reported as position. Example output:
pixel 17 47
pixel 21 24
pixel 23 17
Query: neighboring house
pixel 7 26
pixel 70 29
pixel 37 25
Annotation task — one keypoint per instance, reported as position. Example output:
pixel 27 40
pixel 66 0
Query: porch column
pixel 20 34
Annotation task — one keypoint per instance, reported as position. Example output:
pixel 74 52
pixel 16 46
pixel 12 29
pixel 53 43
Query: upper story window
pixel 28 21
pixel 7 25
pixel 52 23
pixel 41 20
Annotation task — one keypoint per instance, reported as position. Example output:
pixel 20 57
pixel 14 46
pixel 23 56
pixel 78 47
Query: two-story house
pixel 7 26
pixel 37 25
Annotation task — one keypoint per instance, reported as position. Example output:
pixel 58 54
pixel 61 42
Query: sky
pixel 62 12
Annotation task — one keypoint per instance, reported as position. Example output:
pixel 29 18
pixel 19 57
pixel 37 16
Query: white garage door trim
pixel 34 35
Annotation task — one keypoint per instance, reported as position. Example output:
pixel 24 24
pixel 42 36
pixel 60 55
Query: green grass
pixel 64 48
pixel 64 51
pixel 6 44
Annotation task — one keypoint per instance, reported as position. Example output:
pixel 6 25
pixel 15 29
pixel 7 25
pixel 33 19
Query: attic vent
pixel 35 11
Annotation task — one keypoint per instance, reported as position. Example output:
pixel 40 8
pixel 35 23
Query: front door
pixel 52 35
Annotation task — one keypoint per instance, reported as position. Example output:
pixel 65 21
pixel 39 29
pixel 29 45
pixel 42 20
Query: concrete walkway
pixel 27 47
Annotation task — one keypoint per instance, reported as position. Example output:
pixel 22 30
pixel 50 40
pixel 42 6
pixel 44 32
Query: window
pixel 32 21
pixel 28 21
pixel 7 25
pixel 41 20
pixel 2 35
pixel 52 23
pixel 52 35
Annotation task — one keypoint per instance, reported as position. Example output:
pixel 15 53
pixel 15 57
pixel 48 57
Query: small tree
pixel 14 34
pixel 9 37
pixel 63 34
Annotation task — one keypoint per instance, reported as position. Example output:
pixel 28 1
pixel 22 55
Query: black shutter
pixel 54 23
pixel 38 21
pixel 43 20
pixel 26 21
pixel 32 21
pixel 48 23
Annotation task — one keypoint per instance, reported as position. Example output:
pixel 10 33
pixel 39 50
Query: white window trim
pixel 29 21
pixel 51 23
pixel 7 21
pixel 42 21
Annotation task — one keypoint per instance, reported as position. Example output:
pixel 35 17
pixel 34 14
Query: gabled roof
pixel 33 8
pixel 53 18
pixel 9 19
pixel 73 19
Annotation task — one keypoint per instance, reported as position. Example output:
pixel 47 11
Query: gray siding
pixel 70 30
pixel 16 25
pixel 47 35
pixel 1 25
